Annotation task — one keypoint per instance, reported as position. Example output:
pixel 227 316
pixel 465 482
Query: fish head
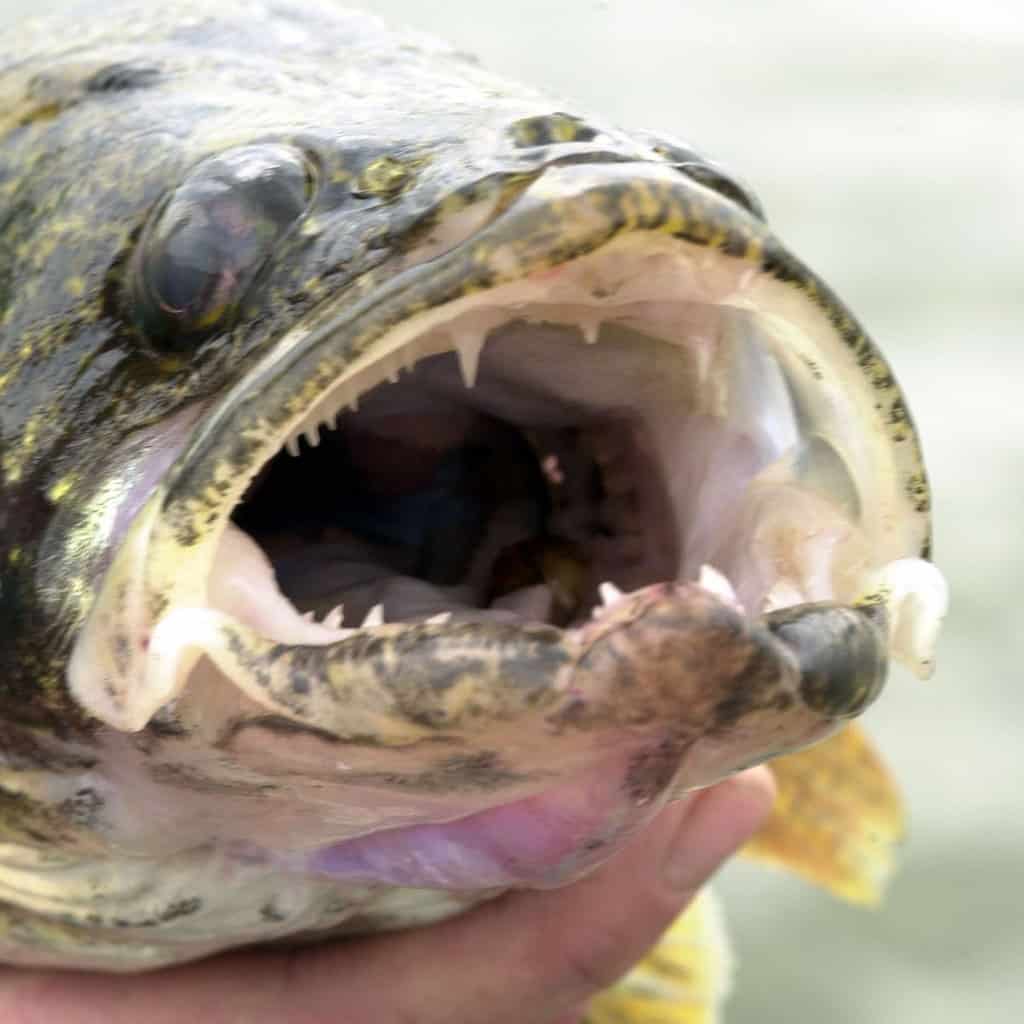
pixel 409 483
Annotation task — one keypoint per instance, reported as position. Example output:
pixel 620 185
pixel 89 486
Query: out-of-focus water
pixel 887 142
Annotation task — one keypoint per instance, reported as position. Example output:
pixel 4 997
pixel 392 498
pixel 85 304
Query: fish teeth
pixel 609 593
pixel 916 598
pixel 590 328
pixel 410 354
pixel 440 619
pixel 374 617
pixel 292 445
pixel 335 618
pixel 312 435
pixel 467 348
pixel 717 583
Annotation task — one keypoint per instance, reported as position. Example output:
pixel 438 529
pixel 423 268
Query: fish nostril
pixel 841 652
pixel 705 172
pixel 383 178
pixel 715 178
pixel 549 129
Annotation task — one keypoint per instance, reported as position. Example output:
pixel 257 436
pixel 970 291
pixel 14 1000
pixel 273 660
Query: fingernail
pixel 718 822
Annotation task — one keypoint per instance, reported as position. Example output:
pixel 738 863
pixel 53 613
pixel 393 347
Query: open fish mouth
pixel 611 464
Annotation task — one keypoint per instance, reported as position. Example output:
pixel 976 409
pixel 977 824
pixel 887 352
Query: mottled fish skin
pixel 404 128
pixel 401 133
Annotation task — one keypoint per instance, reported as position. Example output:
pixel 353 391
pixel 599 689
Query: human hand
pixel 528 956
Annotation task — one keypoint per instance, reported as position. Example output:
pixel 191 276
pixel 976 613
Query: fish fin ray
pixel 683 980
pixel 838 818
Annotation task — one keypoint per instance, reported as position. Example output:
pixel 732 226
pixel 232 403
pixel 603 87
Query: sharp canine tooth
pixel 335 618
pixel 609 593
pixel 590 328
pixel 441 619
pixel 915 596
pixel 374 617
pixel 312 436
pixel 718 584
pixel 292 445
pixel 468 348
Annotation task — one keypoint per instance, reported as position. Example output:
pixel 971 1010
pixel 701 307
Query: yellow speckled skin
pixel 403 134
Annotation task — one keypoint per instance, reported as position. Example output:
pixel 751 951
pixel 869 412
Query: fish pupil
pixel 206 243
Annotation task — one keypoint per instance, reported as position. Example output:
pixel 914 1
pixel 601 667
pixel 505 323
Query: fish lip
pixel 243 429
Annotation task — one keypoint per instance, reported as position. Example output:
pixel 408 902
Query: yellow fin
pixel 683 980
pixel 837 820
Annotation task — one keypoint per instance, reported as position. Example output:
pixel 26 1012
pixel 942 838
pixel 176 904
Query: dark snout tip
pixel 841 652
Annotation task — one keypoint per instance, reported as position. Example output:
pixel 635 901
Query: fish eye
pixel 208 239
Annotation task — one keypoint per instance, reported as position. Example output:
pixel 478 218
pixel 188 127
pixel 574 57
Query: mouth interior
pixel 514 498
pixel 512 470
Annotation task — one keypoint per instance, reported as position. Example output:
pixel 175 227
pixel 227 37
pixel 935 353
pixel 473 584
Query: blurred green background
pixel 887 143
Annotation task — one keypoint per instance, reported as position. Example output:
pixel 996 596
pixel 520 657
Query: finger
pixel 532 956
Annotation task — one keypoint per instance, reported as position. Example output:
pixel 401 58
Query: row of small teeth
pixel 710 579
pixel 466 343
pixel 467 347
pixel 912 590
pixel 347 400
pixel 335 618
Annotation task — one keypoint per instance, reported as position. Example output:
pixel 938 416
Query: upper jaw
pixel 153 618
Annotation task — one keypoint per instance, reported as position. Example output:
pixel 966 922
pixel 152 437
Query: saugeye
pixel 408 484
